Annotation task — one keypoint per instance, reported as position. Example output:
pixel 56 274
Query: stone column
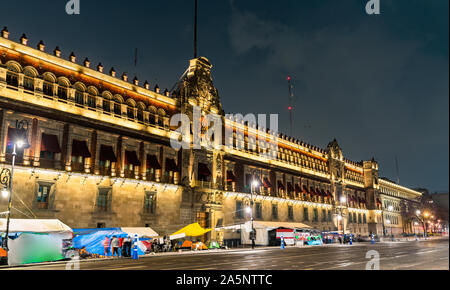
pixel 143 159
pixel 119 164
pixel 93 148
pixel 163 164
pixel 65 155
pixel 33 142
pixel 2 137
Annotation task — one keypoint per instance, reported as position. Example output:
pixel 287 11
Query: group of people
pixel 118 245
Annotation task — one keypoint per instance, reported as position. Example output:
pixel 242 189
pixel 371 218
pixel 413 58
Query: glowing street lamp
pixel 20 140
pixel 255 184
pixel 20 143
pixel 389 222
pixel 5 192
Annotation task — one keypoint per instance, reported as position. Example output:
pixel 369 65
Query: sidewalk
pixel 355 244
pixel 162 254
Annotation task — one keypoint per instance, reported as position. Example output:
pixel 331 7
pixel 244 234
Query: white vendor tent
pixel 34 226
pixel 36 240
pixel 141 232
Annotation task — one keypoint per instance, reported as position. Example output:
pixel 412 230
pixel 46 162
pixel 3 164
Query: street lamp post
pixel 389 223
pixel 390 209
pixel 6 175
pixel 414 227
pixel 340 215
pixel 423 221
pixel 252 235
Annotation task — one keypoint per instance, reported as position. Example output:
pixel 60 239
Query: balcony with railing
pixel 205 184
pixel 71 96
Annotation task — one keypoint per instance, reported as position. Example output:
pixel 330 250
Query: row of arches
pixel 81 94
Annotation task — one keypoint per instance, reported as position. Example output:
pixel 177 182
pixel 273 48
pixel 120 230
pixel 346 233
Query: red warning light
pixel 288 78
pixel 290 108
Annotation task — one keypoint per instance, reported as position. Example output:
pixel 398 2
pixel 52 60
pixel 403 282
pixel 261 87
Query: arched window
pixel 131 104
pixel 92 97
pixel 28 79
pixel 63 86
pixel 48 85
pixel 161 116
pixel 12 75
pixel 140 112
pixel 152 115
pixel 106 101
pixel 79 94
pixel 118 100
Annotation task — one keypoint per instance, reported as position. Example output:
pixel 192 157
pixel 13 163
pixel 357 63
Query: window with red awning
pixel 290 187
pixel 152 162
pixel 203 169
pixel 107 154
pixel 266 183
pixel 305 189
pixel 131 158
pixel 329 194
pixel 80 148
pixel 50 143
pixel 171 165
pixel 230 176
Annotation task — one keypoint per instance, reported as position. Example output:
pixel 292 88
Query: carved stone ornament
pixel 334 151
pixel 197 83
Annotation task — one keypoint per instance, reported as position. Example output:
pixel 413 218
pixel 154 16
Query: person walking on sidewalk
pixel 127 246
pixel 120 247
pixel 106 245
pixel 115 246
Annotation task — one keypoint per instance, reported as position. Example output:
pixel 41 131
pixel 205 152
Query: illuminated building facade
pixel 100 156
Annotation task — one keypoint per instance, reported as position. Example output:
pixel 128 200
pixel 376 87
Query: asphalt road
pixel 412 255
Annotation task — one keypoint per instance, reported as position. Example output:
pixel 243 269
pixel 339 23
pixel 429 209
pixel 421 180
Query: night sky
pixel 378 84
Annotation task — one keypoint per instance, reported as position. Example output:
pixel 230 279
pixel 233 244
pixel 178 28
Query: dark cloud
pixel 380 94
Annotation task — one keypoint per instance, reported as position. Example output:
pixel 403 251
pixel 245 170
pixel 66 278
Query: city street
pixel 404 255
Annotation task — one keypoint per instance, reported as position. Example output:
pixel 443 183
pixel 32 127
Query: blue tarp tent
pixel 93 239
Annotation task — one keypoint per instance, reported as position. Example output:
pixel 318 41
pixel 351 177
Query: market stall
pixel 192 230
pixel 36 240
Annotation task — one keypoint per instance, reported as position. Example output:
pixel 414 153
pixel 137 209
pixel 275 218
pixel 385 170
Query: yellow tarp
pixel 192 230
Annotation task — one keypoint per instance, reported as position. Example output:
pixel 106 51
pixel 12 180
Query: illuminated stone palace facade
pixel 100 156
